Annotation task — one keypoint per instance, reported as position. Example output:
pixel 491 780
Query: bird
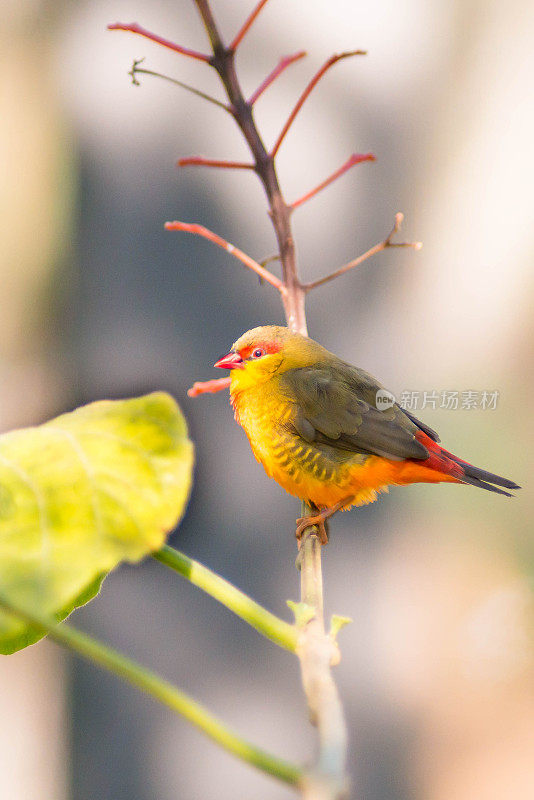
pixel 322 429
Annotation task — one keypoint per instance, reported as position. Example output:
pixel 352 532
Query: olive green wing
pixel 335 405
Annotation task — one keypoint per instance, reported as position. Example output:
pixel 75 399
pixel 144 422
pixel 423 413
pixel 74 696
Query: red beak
pixel 230 361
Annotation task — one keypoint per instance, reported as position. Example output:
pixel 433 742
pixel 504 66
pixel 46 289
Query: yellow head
pixel 261 353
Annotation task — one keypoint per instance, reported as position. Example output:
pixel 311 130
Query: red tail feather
pixel 440 459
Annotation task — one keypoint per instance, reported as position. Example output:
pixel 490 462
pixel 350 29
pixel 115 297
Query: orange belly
pixel 358 483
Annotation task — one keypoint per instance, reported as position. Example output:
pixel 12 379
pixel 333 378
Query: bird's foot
pixel 319 520
pixel 303 523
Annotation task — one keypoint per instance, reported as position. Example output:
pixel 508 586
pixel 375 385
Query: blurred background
pixel 99 301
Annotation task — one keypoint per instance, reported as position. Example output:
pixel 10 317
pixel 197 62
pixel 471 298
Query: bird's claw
pixel 303 523
pixel 320 520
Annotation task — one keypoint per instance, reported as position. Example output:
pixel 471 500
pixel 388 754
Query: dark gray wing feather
pixel 335 406
pixel 422 427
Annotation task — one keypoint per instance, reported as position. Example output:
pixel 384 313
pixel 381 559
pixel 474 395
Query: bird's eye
pixel 258 353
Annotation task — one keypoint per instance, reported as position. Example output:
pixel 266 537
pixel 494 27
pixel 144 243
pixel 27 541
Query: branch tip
pixel 200 230
pixel 240 35
pixel 276 72
pixel 356 158
pixel 133 27
pixel 314 81
pixel 208 387
pixel 399 218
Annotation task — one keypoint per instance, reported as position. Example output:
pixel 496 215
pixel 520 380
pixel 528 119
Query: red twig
pixel 373 250
pixel 133 27
pixel 208 387
pixel 249 262
pixel 238 38
pixel 200 161
pixel 281 66
pixel 356 158
pixel 302 99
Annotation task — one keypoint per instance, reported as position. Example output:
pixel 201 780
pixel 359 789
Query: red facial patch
pixel 267 347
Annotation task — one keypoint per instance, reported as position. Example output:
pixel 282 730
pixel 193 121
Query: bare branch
pixel 317 653
pixel 238 38
pixel 356 158
pixel 292 297
pixel 133 27
pixel 208 387
pixel 200 161
pixel 280 67
pixel 376 249
pixel 210 25
pixel 302 99
pixel 136 70
pixel 249 262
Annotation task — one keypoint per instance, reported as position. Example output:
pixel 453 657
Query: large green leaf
pixel 81 493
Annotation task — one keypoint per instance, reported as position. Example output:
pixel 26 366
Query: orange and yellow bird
pixel 312 421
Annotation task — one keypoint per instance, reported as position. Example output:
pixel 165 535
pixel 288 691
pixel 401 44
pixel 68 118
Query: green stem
pixel 161 690
pixel 269 625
